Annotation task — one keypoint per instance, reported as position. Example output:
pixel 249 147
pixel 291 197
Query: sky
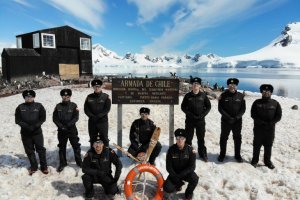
pixel 156 27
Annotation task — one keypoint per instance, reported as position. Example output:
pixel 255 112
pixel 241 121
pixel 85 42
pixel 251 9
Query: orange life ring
pixel 136 171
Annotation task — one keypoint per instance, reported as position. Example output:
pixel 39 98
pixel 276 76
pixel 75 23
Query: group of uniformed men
pixel 181 157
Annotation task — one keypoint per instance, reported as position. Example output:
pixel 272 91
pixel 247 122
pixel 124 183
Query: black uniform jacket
pixel 141 132
pixel 100 164
pixel 65 115
pixel 232 106
pixel 180 163
pixel 266 112
pixel 30 116
pixel 97 106
pixel 195 106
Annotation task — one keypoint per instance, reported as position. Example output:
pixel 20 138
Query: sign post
pixel 145 91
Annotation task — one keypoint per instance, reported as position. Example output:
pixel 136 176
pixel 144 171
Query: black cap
pixel 96 140
pixel 28 93
pixel 196 80
pixel 180 132
pixel 66 92
pixel 96 82
pixel 268 87
pixel 233 81
pixel 144 110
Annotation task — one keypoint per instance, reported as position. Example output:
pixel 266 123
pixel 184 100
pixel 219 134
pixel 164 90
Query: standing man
pixel 30 116
pixel 266 112
pixel 97 169
pixel 96 107
pixel 140 135
pixel 65 116
pixel 196 106
pixel 181 164
pixel 232 106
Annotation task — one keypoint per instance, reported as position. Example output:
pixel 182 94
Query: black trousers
pixel 172 183
pixel 236 129
pixel 263 137
pixel 109 186
pixel 98 127
pixel 72 136
pixel 144 148
pixel 200 132
pixel 35 143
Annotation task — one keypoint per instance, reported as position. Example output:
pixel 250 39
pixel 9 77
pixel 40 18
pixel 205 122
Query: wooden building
pixel 62 51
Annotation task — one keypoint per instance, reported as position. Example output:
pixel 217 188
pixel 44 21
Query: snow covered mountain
pixel 281 52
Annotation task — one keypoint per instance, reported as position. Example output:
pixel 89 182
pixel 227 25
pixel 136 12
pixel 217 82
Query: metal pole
pixel 171 125
pixel 119 128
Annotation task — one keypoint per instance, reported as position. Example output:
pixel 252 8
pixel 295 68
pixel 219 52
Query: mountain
pixel 281 52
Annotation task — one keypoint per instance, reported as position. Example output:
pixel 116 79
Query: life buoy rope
pixel 136 171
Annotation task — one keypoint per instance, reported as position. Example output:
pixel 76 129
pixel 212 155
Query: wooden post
pixel 171 125
pixel 120 128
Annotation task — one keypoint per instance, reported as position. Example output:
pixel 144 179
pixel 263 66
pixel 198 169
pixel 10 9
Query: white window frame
pixel 45 45
pixel 19 42
pixel 83 46
pixel 36 40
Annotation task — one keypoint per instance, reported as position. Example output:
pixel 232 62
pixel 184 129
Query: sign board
pixel 145 91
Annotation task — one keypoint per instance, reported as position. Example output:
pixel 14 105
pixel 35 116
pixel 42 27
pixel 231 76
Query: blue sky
pixel 155 27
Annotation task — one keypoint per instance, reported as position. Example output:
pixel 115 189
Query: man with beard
pixel 266 112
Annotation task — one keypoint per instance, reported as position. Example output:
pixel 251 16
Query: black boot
pixel 77 155
pixel 237 151
pixel 223 145
pixel 62 160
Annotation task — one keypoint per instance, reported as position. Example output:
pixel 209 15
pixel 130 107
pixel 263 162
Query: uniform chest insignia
pixel 94 160
pixel 259 105
pixel 186 156
pixel 90 100
pixel 226 99
pixel 272 107
pixel 23 110
pixel 70 110
pixel 237 100
pixel 35 110
pixel 175 156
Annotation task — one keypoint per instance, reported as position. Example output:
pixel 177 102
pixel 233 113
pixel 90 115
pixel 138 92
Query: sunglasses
pixel 144 113
pixel 180 138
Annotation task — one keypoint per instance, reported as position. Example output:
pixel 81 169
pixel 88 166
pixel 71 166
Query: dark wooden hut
pixel 62 51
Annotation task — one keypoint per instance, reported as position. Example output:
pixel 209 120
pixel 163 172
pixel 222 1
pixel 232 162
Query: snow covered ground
pixel 228 180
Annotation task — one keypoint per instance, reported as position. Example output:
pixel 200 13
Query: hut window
pixel 19 42
pixel 36 40
pixel 85 44
pixel 48 40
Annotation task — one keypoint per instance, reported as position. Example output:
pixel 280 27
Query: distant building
pixel 62 51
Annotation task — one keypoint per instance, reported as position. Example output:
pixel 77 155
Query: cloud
pixel 129 24
pixel 24 3
pixel 149 9
pixel 90 11
pixel 195 16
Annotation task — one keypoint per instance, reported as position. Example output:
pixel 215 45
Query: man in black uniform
pixel 30 116
pixel 140 135
pixel 196 106
pixel 181 164
pixel 266 112
pixel 97 169
pixel 96 107
pixel 232 106
pixel 65 116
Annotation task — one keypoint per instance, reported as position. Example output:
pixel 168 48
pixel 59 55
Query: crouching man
pixel 97 169
pixel 181 163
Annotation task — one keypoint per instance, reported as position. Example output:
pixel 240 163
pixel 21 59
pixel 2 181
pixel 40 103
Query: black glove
pixel 116 179
pixel 176 180
pixel 94 118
